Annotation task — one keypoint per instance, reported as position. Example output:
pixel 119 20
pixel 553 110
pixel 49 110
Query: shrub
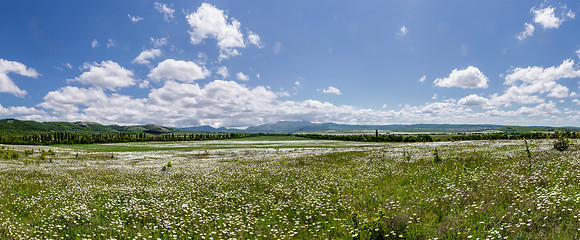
pixel 436 158
pixel 562 144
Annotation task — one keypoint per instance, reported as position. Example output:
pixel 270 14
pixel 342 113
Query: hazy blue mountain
pixel 304 126
pixel 206 128
pixel 19 126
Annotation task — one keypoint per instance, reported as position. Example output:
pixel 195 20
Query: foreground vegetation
pixel 428 138
pixel 445 190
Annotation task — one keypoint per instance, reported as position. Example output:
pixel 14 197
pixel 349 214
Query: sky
pixel 232 63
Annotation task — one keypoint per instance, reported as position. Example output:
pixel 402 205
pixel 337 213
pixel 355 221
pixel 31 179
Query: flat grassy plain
pixel 290 189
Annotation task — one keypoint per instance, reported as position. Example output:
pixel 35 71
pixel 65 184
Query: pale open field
pixel 291 189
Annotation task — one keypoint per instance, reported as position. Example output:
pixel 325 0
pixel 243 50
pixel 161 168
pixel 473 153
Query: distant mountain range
pixel 19 126
pixel 305 126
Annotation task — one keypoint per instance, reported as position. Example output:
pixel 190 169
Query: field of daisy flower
pixel 291 189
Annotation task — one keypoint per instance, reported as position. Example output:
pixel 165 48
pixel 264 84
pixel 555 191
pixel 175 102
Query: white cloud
pixel 145 84
pixel 435 96
pixel 422 79
pixel 6 84
pixel 183 71
pixel 110 43
pixel 470 77
pixel 533 75
pixel 65 99
pixel 159 42
pixel 165 10
pixel 254 39
pixel 18 110
pixel 210 22
pixel 134 19
pixel 526 82
pixel 402 31
pixel 107 74
pixel 223 71
pixel 332 90
pixel 578 53
pixel 576 101
pixel 547 18
pixel 145 55
pixel 258 76
pixel 242 76
pixel 559 91
pixel 68 65
pixel 95 43
pixel 528 31
pixel 544 109
pixel 473 100
pixel 227 103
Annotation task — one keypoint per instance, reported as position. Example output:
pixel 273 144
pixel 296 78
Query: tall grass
pixel 479 190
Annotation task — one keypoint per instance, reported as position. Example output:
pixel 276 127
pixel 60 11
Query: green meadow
pixel 288 188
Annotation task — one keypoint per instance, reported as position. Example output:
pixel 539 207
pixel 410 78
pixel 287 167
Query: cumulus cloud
pixel 183 71
pixel 526 83
pixel 95 43
pixel 254 39
pixel 227 103
pixel 548 19
pixel 473 100
pixel 134 19
pixel 528 31
pixel 66 99
pixel 6 84
pixel 107 74
pixel 242 76
pixel 470 77
pixel 145 55
pixel 210 22
pixel 541 110
pixel 332 90
pixel 223 71
pixel 165 10
pixel 18 111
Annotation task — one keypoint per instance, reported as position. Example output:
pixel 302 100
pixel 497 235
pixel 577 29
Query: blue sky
pixel 243 63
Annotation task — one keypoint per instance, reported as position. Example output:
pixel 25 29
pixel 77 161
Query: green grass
pixel 485 190
pixel 241 143
pixel 270 138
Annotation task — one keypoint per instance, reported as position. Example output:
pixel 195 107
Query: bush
pixel 436 158
pixel 562 144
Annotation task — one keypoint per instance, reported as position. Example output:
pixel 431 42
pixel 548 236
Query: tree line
pixel 428 138
pixel 370 138
pixel 52 138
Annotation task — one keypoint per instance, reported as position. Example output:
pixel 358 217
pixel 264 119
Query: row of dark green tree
pixel 52 138
pixel 370 138
pixel 516 136
pixel 428 138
